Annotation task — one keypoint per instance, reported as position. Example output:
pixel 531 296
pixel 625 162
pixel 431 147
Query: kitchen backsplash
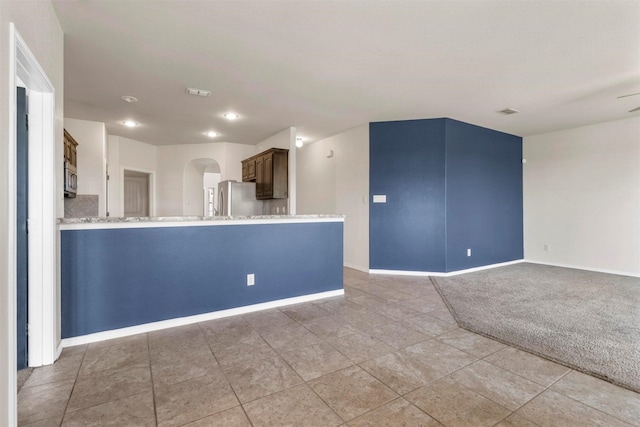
pixel 81 206
pixel 276 207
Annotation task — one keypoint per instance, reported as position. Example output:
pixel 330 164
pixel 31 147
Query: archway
pixel 201 177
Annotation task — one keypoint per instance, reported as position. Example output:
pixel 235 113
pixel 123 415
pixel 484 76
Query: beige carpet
pixel 585 320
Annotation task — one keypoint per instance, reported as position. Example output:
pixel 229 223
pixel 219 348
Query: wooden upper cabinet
pixel 249 170
pixel 259 162
pixel 70 150
pixel 267 176
pixel 270 171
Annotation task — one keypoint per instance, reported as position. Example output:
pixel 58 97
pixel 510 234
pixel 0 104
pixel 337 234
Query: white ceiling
pixel 327 66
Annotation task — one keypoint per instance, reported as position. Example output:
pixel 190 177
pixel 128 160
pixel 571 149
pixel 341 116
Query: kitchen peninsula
pixel 121 276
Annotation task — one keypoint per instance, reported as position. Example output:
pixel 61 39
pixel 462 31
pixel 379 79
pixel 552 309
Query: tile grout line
pixel 358 330
pixel 153 388
pixel 580 402
pixel 329 406
pixel 303 380
pixel 101 372
pixel 75 381
pixel 395 350
pixel 224 375
pixel 477 358
pixel 521 376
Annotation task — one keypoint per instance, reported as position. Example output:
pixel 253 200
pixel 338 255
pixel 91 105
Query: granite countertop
pixel 122 220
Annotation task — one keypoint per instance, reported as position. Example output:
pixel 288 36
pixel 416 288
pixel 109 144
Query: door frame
pixel 43 242
pixel 152 188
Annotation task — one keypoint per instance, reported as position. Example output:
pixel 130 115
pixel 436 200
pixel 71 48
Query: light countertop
pixel 134 222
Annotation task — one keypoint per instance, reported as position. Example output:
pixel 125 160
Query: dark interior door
pixel 22 210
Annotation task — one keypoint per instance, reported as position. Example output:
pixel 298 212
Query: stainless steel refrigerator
pixel 238 199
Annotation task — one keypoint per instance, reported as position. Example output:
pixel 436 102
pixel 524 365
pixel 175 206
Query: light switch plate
pixel 379 198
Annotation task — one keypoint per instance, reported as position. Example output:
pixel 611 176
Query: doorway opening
pixel 44 189
pixel 44 185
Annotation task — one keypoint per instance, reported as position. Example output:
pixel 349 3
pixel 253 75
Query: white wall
pixel 175 177
pixel 279 140
pixel 177 186
pixel 582 197
pixel 195 175
pixel 317 178
pixel 37 23
pixel 339 184
pixel 211 179
pixel 171 163
pixel 92 158
pixel 125 153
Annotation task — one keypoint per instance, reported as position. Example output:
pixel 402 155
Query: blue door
pixel 22 210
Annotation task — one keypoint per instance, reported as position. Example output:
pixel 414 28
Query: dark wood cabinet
pixel 270 171
pixel 70 150
pixel 259 173
pixel 249 170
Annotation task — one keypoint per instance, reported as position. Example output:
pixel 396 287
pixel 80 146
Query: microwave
pixel 70 180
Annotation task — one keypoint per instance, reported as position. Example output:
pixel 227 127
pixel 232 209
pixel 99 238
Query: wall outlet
pixel 379 198
pixel 547 247
pixel 251 279
pixel 468 252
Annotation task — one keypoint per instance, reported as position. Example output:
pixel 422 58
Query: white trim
pixel 190 223
pixel 42 202
pixel 10 418
pixel 577 267
pixel 181 321
pixel 152 187
pixel 440 274
pixel 24 66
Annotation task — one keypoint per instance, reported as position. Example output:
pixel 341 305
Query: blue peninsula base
pixel 114 278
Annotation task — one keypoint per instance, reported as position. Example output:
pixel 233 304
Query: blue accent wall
pixel 484 196
pixel 450 186
pixel 115 278
pixel 407 164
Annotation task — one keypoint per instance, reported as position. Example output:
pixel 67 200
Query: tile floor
pixel 388 353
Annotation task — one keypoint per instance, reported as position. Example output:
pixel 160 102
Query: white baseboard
pixel 580 267
pixel 440 274
pixel 181 321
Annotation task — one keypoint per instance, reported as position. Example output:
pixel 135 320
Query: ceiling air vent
pixel 508 111
pixel 198 92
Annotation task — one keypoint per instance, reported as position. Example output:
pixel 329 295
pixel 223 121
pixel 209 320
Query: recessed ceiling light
pixel 129 99
pixel 299 141
pixel 130 123
pixel 231 116
pixel 211 134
